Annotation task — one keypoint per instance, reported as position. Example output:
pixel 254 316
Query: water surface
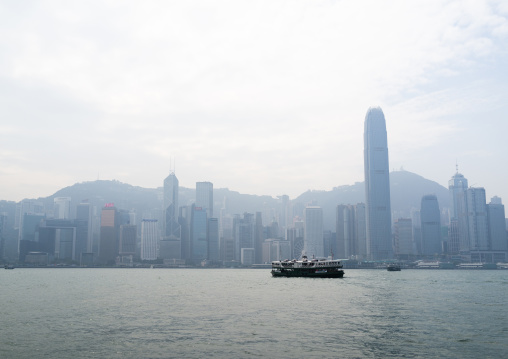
pixel 245 313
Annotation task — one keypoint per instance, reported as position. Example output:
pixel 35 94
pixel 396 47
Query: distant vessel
pixel 8 266
pixel 393 267
pixel 315 268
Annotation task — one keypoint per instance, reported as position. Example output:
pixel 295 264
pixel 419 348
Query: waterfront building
pixel 127 240
pixel 313 232
pixel 28 242
pixel 340 231
pixel 172 229
pixel 258 237
pixel 453 238
pixel 149 239
pixel 275 249
pixel 458 236
pixel 377 186
pixel 457 185
pixel 198 233
pixel 295 238
pixel 108 245
pixel 497 226
pixel 227 238
pixel 58 238
pixel 245 233
pixel 361 230
pixel 350 231
pixel 170 245
pixel 404 246
pixel 213 239
pixel 247 256
pixel 477 219
pixel 3 226
pixel 430 226
pixel 184 219
pixel 85 237
pixel 284 215
pixel 330 243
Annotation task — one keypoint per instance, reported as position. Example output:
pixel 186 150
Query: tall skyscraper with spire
pixel 377 186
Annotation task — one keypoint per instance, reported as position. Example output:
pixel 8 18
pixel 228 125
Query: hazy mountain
pixel 407 190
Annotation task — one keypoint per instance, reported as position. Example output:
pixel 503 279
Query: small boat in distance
pixel 393 267
pixel 315 268
pixel 9 266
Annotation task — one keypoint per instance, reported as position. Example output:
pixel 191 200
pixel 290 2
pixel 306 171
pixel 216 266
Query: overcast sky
pixel 261 97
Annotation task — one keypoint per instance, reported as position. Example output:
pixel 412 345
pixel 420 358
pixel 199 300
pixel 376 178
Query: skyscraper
pixel 403 238
pixel 497 225
pixel 149 239
pixel 171 246
pixel 431 226
pixel 477 219
pixel 213 239
pixel 84 236
pixel 204 197
pixel 108 247
pixel 457 185
pixel 458 233
pixel 377 186
pixel 171 225
pixel 198 235
pixel 313 232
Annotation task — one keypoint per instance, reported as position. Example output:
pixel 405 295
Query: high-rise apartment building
pixel 313 232
pixel 377 186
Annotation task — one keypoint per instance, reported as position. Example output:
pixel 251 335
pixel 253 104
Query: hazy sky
pixel 262 97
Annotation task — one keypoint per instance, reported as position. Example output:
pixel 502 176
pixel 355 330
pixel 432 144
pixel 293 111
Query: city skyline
pixel 275 89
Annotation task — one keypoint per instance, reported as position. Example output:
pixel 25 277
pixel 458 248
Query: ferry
pixel 393 267
pixel 314 268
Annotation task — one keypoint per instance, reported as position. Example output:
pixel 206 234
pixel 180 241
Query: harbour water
pixel 245 313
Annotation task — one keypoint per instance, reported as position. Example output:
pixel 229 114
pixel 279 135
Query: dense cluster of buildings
pixel 204 233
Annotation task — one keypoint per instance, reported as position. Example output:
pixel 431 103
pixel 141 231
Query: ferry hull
pixel 308 273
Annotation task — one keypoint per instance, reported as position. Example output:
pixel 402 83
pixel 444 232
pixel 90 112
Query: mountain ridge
pixel 406 188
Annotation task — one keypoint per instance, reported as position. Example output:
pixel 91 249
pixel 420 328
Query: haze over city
pixel 261 97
